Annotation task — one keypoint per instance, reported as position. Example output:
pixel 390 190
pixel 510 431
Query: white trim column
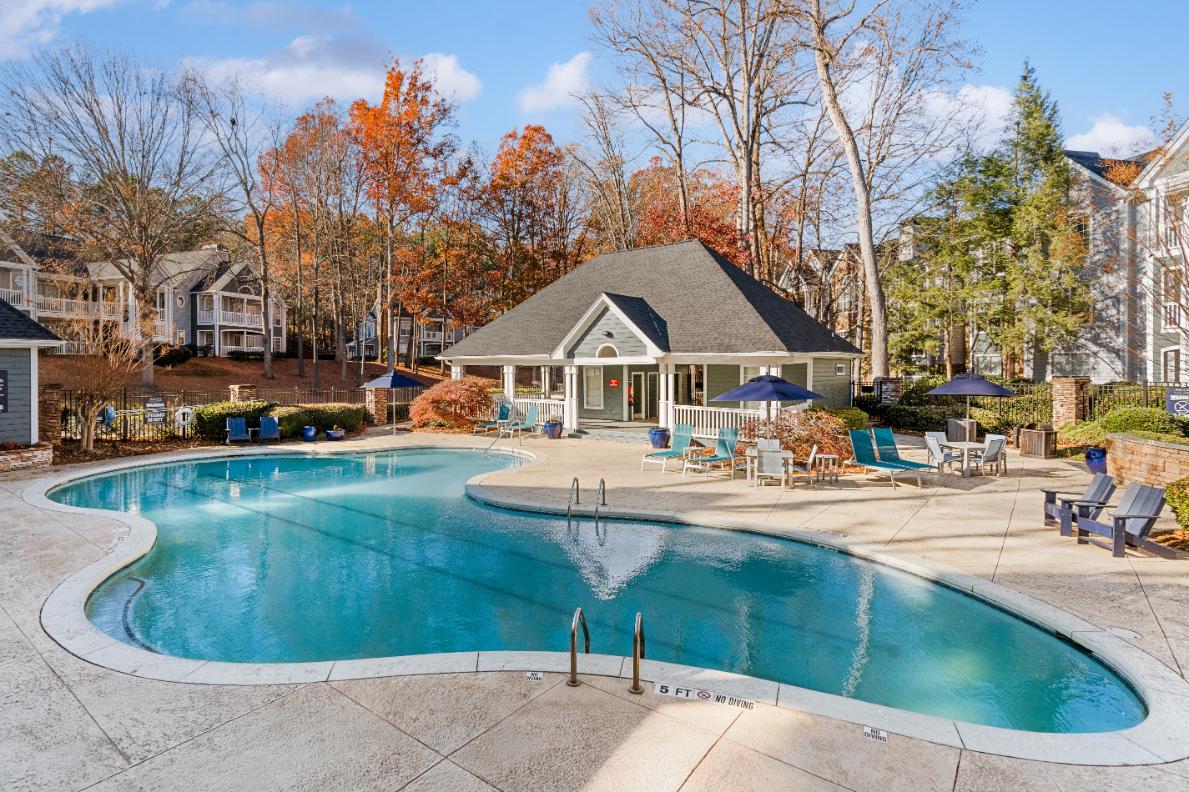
pixel 509 378
pixel 570 405
pixel 545 384
pixel 457 372
pixel 665 395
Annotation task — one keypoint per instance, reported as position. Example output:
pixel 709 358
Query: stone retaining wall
pixel 40 455
pixel 1134 459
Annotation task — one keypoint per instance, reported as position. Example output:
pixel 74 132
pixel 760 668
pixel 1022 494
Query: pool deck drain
pixel 69 724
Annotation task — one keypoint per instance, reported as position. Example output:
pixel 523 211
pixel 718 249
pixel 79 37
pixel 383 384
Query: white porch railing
pixel 206 316
pixel 257 347
pixel 14 297
pixel 243 319
pixel 706 421
pixel 547 409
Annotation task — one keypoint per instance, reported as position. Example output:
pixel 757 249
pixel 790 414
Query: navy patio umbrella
pixel 970 384
pixel 394 380
pixel 767 388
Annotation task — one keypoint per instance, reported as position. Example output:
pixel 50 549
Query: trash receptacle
pixel 1040 442
pixel 961 430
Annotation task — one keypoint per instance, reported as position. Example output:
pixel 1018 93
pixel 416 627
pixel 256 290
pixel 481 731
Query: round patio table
pixel 965 447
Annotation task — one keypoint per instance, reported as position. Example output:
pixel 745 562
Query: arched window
pixel 607 351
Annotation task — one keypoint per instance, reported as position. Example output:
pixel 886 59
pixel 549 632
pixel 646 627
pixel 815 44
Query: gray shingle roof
pixel 16 326
pixel 704 304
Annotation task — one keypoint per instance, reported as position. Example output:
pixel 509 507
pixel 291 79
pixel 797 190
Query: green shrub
pixel 867 403
pixel 853 417
pixel 1176 439
pixel 991 422
pixel 210 420
pixel 320 416
pixel 912 418
pixel 1083 433
pixel 1177 496
pixel 1142 419
pixel 171 354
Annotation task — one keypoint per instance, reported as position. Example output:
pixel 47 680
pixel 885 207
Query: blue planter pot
pixel 553 430
pixel 309 434
pixel 658 437
pixel 1096 460
pixel 332 434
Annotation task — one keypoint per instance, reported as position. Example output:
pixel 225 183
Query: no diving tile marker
pixel 695 694
pixel 872 733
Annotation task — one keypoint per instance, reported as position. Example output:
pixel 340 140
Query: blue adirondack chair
pixel 237 431
pixel 501 417
pixel 1060 511
pixel 683 437
pixel 270 429
pixel 864 456
pixel 1131 523
pixel 723 457
pixel 885 444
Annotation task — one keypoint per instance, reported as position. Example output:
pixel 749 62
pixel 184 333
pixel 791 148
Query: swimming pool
pixel 290 559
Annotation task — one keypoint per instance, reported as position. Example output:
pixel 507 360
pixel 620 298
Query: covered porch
pixel 608 393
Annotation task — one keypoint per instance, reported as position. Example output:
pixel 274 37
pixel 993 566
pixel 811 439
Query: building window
pixel 1171 294
pixel 206 338
pixel 839 369
pixel 592 387
pixel 607 351
pixel 1081 226
pixel 1071 364
pixel 745 374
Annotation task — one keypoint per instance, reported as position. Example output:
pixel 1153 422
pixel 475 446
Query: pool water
pixel 293 558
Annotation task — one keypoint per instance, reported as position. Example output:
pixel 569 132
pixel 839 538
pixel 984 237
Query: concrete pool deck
pixel 69 724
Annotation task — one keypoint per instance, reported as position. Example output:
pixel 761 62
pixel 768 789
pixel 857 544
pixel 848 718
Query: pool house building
pixel 649 337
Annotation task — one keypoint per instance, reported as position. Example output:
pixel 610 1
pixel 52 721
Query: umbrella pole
pixel 967 408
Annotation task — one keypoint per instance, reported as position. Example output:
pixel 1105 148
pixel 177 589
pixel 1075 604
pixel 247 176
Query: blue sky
pixel 512 62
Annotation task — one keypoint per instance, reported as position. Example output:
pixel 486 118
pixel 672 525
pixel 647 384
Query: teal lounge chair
pixel 864 456
pixel 683 437
pixel 518 428
pixel 885 444
pixel 237 431
pixel 269 428
pixel 724 455
pixel 501 417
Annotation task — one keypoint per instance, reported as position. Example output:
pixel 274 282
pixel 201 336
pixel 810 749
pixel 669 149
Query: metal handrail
pixel 575 491
pixel 601 495
pixel 578 619
pixel 637 654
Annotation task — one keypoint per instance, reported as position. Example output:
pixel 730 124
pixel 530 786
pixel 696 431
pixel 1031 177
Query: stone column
pixel 375 405
pixel 1069 400
pixel 243 392
pixel 49 414
pixel 570 412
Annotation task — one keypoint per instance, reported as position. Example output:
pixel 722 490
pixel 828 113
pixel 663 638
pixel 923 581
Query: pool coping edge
pixel 1159 738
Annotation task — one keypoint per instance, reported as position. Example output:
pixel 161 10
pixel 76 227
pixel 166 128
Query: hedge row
pixel 320 416
pixel 210 420
pixel 1177 495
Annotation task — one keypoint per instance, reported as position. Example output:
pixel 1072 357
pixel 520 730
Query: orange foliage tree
pixel 456 404
pixel 712 203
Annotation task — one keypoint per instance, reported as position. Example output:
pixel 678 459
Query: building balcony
pixel 240 319
pixel 66 308
pixel 14 297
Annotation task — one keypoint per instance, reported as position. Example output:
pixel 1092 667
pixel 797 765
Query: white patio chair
pixel 938 455
pixel 994 452
pixel 792 468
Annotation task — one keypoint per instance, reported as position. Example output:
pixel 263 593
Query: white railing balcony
pixel 253 347
pixel 206 317
pixel 547 409
pixel 706 421
pixel 64 306
pixel 1171 316
pixel 14 297
pixel 242 319
pixel 111 310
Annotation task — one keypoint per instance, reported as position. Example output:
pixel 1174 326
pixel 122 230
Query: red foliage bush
pixel 453 403
pixel 800 431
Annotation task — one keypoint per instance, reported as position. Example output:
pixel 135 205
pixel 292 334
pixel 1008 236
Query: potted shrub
pixel 309 433
pixel 336 433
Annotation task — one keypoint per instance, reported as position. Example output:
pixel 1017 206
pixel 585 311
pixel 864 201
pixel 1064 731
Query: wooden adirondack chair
pixel 1130 524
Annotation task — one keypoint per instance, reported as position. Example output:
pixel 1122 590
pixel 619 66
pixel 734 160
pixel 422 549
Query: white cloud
pixel 450 78
pixel 562 82
pixel 27 24
pixel 1110 135
pixel 345 67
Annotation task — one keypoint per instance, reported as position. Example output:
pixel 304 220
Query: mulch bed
pixel 1177 539
pixel 69 453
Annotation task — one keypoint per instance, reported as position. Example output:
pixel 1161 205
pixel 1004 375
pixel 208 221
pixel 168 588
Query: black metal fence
pixel 1101 399
pixel 147 416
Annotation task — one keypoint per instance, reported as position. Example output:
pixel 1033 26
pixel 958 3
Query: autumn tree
pixel 404 147
pixel 100 377
pixel 138 180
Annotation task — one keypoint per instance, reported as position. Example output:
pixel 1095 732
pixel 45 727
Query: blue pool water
pixel 286 558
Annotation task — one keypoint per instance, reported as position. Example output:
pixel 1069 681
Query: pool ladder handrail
pixel 600 500
pixel 577 620
pixel 575 497
pixel 637 654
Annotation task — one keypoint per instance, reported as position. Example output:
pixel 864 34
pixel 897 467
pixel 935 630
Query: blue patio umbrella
pixel 970 384
pixel 394 380
pixel 767 388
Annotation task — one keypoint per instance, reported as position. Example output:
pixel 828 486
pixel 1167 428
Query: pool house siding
pixel 16 422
